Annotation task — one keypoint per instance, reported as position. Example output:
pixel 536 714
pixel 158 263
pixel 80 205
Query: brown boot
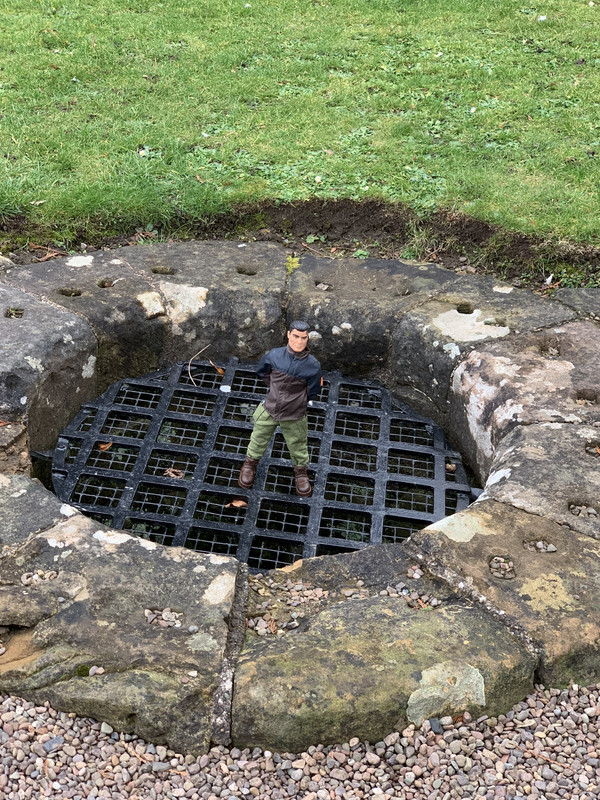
pixel 303 487
pixel 248 472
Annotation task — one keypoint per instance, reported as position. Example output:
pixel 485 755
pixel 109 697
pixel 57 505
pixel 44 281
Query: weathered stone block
pixel 552 470
pixel 550 591
pixel 585 301
pixel 550 376
pixel 47 365
pixel 79 596
pixel 353 305
pixel 431 340
pixel 363 667
pixel 27 508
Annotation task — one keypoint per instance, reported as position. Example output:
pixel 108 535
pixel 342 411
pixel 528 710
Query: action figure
pixel 293 376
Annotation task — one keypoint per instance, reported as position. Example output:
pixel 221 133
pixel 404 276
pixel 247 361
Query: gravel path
pixel 546 747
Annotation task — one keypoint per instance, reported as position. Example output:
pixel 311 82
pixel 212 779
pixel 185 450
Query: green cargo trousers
pixel 294 432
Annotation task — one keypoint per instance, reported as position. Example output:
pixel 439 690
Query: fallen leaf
pixel 105 446
pixel 171 472
pixel 4 422
pixel 220 370
pixel 450 467
pixel 237 504
pixel 272 626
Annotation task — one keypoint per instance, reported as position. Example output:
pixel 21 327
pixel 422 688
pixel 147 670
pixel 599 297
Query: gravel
pixel 547 746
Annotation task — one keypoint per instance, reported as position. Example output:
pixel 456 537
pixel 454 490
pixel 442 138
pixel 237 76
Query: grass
pixel 117 114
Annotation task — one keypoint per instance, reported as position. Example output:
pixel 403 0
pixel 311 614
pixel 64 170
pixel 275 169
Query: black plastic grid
pixel 132 394
pixel 159 456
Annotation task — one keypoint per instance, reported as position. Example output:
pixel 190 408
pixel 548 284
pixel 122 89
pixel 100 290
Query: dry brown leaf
pixel 171 472
pixel 220 370
pixel 450 467
pixel 237 504
pixel 105 446
pixel 272 625
pixel 3 422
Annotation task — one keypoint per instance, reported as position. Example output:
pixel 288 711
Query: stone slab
pixel 554 596
pixel 26 508
pixel 227 295
pixel 47 365
pixel 14 450
pixel 548 469
pixel 363 668
pixel 549 376
pixel 431 340
pixel 87 607
pixel 353 305
pixel 584 301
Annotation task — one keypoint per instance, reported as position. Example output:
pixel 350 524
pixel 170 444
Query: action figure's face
pixel 297 340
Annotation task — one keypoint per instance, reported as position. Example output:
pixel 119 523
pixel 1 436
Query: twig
pixel 322 255
pixel 190 363
pixel 539 755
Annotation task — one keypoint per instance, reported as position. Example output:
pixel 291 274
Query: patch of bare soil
pixel 338 228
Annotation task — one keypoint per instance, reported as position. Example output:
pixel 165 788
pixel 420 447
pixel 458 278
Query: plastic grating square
pixel 280 448
pixel 154 498
pixel 239 410
pixel 347 489
pixel 359 426
pixel 87 420
pixel 359 396
pixel 209 540
pixel 315 419
pixel 267 553
pixel 332 550
pixel 118 457
pixel 455 501
pixel 353 456
pixel 248 381
pixel 281 479
pixel 128 426
pixel 72 449
pixel 171 464
pixel 201 405
pixel 355 526
pixel 220 508
pixel 397 529
pixel 182 432
pixel 410 432
pixel 222 472
pixel 409 496
pixel 94 490
pixel 159 532
pixel 232 440
pixel 417 465
pixel 159 456
pixel 290 518
pixel 133 394
pixel 324 393
pixel 205 376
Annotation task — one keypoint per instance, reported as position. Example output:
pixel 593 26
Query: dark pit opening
pixel 68 291
pixel 465 308
pixel 159 456
pixel 14 313
pixel 163 270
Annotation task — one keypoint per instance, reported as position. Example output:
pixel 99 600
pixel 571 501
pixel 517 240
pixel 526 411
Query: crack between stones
pixel 222 709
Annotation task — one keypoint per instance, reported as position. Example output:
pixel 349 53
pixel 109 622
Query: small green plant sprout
pixel 313 237
pixel 291 263
pixel 360 254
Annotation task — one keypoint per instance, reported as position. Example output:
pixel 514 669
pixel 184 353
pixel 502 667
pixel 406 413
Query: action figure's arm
pixel 314 384
pixel 264 368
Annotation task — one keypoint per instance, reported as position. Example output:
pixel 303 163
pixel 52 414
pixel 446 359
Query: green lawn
pixel 121 113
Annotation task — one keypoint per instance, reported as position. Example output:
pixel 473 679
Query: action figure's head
pixel 297 335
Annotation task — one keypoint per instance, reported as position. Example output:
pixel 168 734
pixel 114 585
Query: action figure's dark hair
pixel 298 325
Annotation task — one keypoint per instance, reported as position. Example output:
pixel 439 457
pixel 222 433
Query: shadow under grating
pixel 159 457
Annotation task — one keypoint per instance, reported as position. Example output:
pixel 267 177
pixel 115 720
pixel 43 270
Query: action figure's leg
pixel 295 433
pixel 264 427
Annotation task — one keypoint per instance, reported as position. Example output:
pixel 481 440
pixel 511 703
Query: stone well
pixel 513 378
